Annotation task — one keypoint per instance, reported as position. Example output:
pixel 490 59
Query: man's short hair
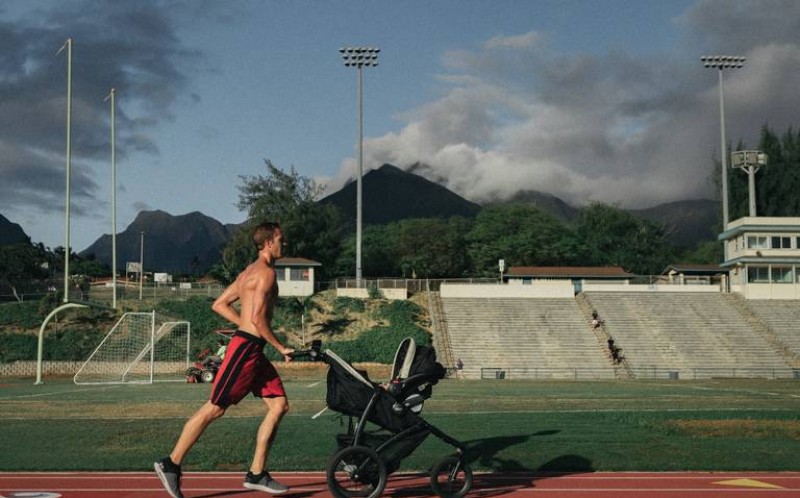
pixel 264 232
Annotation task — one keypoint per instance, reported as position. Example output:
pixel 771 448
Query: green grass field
pixel 507 425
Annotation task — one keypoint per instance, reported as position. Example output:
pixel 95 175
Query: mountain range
pixel 192 243
pixel 189 243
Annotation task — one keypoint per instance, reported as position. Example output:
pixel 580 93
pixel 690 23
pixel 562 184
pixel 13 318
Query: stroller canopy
pixel 415 370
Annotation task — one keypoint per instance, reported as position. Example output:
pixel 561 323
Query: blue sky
pixel 588 100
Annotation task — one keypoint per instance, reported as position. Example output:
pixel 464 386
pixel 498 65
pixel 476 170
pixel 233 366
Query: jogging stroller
pixel 361 465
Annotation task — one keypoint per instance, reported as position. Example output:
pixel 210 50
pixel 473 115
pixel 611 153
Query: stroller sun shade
pixel 418 366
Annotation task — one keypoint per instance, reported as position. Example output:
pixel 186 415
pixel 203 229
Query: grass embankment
pixel 361 330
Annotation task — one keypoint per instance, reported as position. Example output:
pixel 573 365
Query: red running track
pixel 516 485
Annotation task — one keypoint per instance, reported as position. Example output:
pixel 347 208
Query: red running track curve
pixel 514 485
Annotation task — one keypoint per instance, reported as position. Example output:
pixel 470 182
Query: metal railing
pixel 579 373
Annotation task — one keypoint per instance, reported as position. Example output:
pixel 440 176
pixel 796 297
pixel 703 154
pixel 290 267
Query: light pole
pixel 721 62
pixel 141 264
pixel 359 57
pixel 749 161
pixel 68 46
pixel 113 203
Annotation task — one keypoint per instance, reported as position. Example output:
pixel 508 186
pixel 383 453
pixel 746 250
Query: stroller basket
pixel 392 448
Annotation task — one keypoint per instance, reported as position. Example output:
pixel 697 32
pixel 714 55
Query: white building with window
pixel 295 276
pixel 763 257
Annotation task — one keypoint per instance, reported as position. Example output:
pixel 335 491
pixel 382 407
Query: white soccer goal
pixel 135 351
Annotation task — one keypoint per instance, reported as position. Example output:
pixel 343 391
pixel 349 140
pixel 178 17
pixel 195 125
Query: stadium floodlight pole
pixel 141 264
pixel 113 202
pixel 359 57
pixel 721 62
pixel 68 45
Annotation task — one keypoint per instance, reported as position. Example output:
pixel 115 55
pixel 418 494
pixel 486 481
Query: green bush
pixel 379 344
pixel 17 347
pixel 397 312
pixel 72 343
pixel 343 305
pixel 23 314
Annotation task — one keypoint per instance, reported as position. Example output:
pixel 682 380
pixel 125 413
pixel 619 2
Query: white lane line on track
pixel 315 383
pixel 54 393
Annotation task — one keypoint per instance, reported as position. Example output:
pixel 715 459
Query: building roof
pixel 569 272
pixel 297 262
pixel 693 269
pixel 760 224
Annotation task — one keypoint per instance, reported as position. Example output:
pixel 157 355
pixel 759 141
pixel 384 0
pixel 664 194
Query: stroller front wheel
pixel 356 471
pixel 451 478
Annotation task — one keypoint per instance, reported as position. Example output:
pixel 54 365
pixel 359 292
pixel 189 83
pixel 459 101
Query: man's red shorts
pixel 244 370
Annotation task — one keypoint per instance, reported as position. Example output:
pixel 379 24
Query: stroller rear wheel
pixel 451 478
pixel 356 471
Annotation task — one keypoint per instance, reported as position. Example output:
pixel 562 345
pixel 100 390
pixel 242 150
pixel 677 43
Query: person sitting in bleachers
pixel 614 350
pixel 596 321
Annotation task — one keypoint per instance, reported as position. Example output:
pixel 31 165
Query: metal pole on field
pixel 68 45
pixel 359 57
pixel 152 343
pixel 113 203
pixel 40 342
pixel 141 264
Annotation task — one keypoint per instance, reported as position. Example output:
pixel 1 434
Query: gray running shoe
pixel 264 482
pixel 170 475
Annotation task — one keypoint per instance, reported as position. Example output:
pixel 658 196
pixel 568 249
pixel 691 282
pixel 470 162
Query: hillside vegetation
pixel 358 330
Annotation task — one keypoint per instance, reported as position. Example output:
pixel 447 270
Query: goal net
pixel 139 350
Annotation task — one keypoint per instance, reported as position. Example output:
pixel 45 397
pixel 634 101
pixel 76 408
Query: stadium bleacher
pixel 662 334
pixel 525 337
pixel 689 335
pixel 782 317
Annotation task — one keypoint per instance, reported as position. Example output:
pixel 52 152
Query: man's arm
pixel 262 314
pixel 223 305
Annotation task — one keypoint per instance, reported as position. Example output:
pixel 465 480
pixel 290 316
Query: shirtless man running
pixel 245 368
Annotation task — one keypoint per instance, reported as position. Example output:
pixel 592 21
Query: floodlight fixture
pixel 749 161
pixel 723 61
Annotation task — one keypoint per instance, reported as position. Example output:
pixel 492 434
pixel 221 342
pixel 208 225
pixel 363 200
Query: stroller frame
pixel 360 469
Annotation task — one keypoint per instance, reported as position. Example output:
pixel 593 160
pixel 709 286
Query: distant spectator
pixel 459 369
pixel 614 350
pixel 596 321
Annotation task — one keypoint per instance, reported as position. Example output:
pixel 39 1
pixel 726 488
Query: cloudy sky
pixel 592 100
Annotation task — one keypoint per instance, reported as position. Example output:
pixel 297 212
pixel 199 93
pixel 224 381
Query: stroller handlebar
pixel 314 352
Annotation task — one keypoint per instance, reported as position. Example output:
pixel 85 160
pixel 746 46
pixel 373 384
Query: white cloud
pixel 617 128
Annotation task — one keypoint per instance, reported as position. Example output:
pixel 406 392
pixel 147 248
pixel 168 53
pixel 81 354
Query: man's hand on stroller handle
pixel 313 352
pixel 288 354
